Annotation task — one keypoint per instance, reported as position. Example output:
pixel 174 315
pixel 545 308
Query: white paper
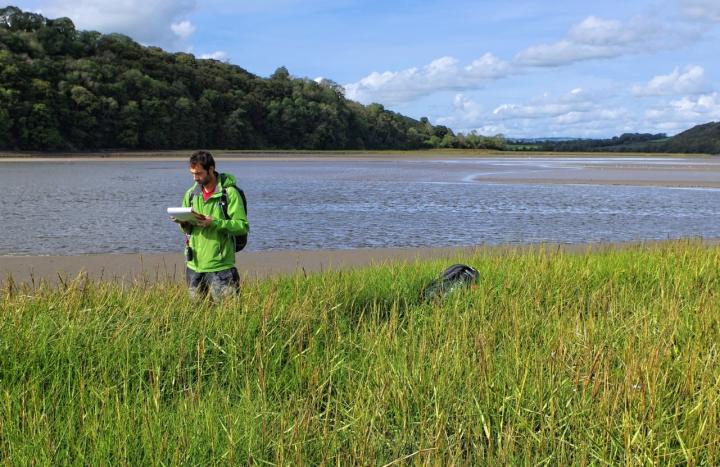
pixel 182 214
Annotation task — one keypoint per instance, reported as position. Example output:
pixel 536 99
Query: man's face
pixel 200 175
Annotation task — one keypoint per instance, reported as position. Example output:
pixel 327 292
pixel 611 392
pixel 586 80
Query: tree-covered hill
pixel 703 139
pixel 700 138
pixel 65 89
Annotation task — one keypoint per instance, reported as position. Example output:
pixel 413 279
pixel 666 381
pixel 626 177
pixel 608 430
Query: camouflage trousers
pixel 220 284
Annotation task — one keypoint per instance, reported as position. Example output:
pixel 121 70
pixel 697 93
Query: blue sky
pixel 527 68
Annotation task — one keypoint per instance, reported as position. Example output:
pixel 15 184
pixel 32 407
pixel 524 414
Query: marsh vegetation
pixel 552 358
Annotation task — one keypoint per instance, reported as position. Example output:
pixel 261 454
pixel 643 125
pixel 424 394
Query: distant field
pixel 553 358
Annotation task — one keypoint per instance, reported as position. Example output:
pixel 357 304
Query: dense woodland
pixel 70 90
pixel 64 89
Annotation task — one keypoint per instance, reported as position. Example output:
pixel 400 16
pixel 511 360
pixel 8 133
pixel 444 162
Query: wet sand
pixel 251 265
pixel 695 172
pixel 258 265
pixel 677 170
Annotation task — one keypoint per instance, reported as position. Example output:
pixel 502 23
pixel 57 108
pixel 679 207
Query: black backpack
pixel 454 277
pixel 240 240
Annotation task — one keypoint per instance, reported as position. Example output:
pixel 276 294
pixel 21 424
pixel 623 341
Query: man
pixel 210 243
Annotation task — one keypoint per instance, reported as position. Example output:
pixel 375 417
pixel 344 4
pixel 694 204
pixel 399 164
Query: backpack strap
pixel 224 200
pixel 223 197
pixel 196 191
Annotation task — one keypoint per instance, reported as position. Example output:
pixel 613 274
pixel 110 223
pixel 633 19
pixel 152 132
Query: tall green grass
pixel 553 358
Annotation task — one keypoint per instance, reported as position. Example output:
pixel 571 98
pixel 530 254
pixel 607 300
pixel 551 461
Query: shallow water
pixel 113 206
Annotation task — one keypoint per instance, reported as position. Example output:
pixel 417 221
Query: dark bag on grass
pixel 454 277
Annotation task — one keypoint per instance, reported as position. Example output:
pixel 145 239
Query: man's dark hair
pixel 203 158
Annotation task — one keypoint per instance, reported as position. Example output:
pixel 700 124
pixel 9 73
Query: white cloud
pixel 443 74
pixel 593 38
pixel 147 21
pixel 680 114
pixel 577 113
pixel 466 110
pixel 705 105
pixel 603 32
pixel 548 106
pixel 183 29
pixel 487 67
pixel 691 80
pixel 704 10
pixel 217 55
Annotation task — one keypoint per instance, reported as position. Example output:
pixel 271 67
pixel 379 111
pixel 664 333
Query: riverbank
pixel 9 156
pixel 130 268
pixel 154 267
pixel 15 156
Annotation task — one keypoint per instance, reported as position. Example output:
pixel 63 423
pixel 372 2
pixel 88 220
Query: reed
pixel 552 358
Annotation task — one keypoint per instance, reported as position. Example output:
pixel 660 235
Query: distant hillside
pixel 64 89
pixel 627 142
pixel 701 138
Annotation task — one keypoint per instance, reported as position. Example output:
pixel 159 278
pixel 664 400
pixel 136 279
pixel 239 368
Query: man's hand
pixel 183 224
pixel 202 221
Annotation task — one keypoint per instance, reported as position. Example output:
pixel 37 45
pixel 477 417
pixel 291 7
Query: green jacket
pixel 214 247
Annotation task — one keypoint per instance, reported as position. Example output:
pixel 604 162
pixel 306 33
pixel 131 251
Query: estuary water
pixel 118 206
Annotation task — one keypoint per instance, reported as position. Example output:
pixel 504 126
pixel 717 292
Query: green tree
pixel 129 130
pixel 40 129
pixel 58 36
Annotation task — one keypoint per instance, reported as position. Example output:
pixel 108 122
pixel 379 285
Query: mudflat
pixel 130 268
pixel 696 171
pixel 636 169
pixel 153 267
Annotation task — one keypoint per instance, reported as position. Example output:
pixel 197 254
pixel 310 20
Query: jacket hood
pixel 229 179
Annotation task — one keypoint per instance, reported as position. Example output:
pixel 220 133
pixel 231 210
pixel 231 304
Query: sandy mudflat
pixel 620 181
pixel 151 267
pixel 251 265
pixel 675 170
pixel 686 172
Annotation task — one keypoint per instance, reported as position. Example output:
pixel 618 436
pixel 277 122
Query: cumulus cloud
pixel 680 114
pixel 183 29
pixel 583 114
pixel 443 74
pixel 691 80
pixel 576 101
pixel 217 55
pixel 466 110
pixel 703 10
pixel 577 113
pixel 706 106
pixel 155 22
pixel 591 39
